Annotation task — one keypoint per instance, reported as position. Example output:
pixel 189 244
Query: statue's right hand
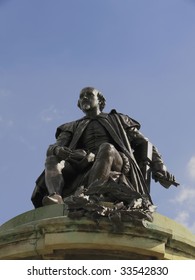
pixel 165 178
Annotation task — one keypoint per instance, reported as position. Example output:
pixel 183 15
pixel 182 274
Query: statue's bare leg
pixel 107 159
pixel 54 180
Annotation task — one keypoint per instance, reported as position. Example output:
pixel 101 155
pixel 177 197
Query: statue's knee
pixel 53 166
pixel 51 162
pixel 107 149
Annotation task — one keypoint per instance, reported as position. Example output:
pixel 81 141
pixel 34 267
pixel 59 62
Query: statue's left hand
pixel 165 178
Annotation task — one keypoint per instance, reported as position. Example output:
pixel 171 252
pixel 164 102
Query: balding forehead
pixel 89 89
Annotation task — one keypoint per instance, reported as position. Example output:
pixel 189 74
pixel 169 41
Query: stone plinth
pixel 47 233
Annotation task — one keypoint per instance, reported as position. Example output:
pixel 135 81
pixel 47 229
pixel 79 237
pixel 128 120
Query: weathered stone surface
pixel 48 233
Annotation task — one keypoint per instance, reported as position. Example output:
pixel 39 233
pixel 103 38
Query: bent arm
pixel 61 150
pixel 61 144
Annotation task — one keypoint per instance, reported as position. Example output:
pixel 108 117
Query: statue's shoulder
pixel 125 119
pixel 67 127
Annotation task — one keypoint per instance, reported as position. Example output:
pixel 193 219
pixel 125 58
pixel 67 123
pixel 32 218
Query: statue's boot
pixel 52 199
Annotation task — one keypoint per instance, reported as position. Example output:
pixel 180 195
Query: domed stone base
pixel 47 233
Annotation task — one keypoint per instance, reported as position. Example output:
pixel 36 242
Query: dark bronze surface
pixel 101 158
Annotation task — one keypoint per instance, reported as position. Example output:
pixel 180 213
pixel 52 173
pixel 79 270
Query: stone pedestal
pixel 47 233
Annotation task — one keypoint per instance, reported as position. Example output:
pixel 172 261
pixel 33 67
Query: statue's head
pixel 91 90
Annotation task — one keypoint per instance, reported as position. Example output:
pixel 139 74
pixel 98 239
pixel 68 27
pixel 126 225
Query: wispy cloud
pixel 186 218
pixel 184 200
pixel 191 167
pixel 50 114
pixel 186 195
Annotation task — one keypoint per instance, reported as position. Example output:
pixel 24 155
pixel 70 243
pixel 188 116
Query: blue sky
pixel 139 53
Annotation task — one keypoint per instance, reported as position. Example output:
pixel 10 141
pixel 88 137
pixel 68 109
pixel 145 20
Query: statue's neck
pixel 93 113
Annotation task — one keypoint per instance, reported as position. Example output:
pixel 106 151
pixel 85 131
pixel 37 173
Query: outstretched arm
pixel 159 171
pixel 158 168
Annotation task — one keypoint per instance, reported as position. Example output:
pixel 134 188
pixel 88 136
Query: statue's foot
pixel 52 199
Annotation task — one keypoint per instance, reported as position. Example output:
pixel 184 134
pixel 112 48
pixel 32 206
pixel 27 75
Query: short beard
pixel 86 107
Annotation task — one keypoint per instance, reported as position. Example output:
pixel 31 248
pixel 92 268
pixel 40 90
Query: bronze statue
pixel 104 155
